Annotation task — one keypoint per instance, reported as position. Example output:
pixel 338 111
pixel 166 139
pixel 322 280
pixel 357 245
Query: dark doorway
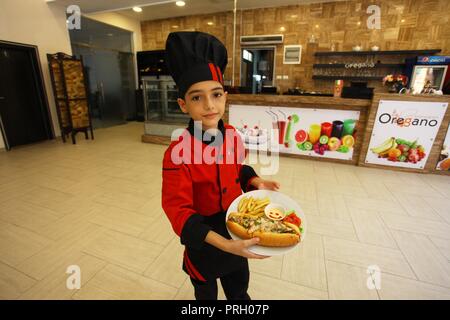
pixel 257 69
pixel 24 110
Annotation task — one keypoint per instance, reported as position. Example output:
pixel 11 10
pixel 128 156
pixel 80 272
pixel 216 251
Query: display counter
pixel 326 128
pixel 391 131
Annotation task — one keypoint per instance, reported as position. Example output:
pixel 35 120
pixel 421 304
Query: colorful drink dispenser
pixel 326 129
pixel 338 127
pixel 349 127
pixel 314 133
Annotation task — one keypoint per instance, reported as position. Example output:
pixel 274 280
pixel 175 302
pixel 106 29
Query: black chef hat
pixel 193 57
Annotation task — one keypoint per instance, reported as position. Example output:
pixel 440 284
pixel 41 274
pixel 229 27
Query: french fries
pixel 253 206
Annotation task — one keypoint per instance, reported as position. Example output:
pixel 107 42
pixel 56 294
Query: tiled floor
pixel 97 205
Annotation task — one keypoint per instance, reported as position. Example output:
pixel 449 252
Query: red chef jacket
pixel 196 193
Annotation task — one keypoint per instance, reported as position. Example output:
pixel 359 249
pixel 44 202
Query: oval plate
pixel 276 197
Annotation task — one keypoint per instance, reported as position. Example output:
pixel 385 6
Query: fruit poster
pixel 313 132
pixel 404 133
pixel 444 159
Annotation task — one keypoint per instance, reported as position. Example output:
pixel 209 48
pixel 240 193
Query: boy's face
pixel 205 102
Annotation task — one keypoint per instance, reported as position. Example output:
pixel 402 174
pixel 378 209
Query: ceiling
pixel 162 9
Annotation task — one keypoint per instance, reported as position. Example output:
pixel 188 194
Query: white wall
pixel 121 21
pixel 38 23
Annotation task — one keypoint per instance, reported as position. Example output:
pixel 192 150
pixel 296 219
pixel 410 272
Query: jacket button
pixel 237 180
pixel 224 190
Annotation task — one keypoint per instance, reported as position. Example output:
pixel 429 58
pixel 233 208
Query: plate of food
pixel 273 217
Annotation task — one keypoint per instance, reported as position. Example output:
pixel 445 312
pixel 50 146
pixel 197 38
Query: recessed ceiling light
pixel 175 27
pixel 359 23
pixel 282 29
pixel 210 23
pixel 137 9
pixel 403 20
pixel 180 3
pixel 317 25
pixel 294 15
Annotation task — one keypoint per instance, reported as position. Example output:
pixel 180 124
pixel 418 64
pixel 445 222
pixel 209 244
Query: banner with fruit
pixel 444 159
pixel 404 133
pixel 314 132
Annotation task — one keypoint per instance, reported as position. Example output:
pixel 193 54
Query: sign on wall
pixel 311 132
pixel 404 133
pixel 444 157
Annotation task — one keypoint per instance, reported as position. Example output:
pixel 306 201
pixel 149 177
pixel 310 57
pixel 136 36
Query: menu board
pixel 404 133
pixel 313 132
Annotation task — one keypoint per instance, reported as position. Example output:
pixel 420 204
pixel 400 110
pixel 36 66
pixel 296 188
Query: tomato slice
pixel 292 218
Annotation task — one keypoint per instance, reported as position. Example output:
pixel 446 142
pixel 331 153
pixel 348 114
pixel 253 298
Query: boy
pixel 196 195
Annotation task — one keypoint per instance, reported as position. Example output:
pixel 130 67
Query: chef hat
pixel 193 57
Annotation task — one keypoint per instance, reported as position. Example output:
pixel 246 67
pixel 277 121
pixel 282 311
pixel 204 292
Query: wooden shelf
pixel 366 53
pixel 347 77
pixel 342 65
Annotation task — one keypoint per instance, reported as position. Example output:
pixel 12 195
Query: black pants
pixel 235 286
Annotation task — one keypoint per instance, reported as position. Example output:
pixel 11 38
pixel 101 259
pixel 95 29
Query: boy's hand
pixel 239 248
pixel 262 184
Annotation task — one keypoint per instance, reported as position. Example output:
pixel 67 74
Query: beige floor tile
pixel 125 201
pixel 14 189
pixel 167 267
pixel 152 208
pixel 117 185
pixel 159 231
pixel 332 227
pixel 440 206
pixel 333 206
pixel 439 185
pixel 412 189
pixel 416 225
pixel 121 220
pixel 13 283
pixel 26 215
pixel 269 266
pixel 346 176
pixel 398 288
pixel 266 288
pixel 18 244
pixel 425 259
pixel 443 245
pixel 364 255
pixel 370 228
pixel 62 251
pixel 378 191
pixel 122 284
pixel 381 205
pixel 71 223
pixel 54 200
pixel 54 285
pixel 123 250
pixel 416 206
pixel 306 265
pixel 347 282
pixel 50 182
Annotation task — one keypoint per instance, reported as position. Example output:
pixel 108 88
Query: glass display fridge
pixel 160 100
